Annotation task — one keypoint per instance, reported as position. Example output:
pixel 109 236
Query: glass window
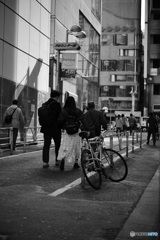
pixel 131 41
pixel 131 53
pixel 121 39
pixel 91 44
pixel 156 63
pixel 88 59
pixel 156 89
pixel 116 91
pixel 126 52
pixel 107 39
pixel 157 107
pixel 96 8
pixel 156 4
pixel 156 39
pixel 122 78
pixel 108 65
pixel 114 65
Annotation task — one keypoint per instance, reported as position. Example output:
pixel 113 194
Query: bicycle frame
pixel 87 143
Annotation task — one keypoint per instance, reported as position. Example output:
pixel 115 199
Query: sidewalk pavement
pixel 144 221
pixel 145 218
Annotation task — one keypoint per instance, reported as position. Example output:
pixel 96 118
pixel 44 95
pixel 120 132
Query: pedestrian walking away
pixel 152 128
pixel 93 121
pixel 50 112
pixel 70 148
pixel 119 125
pixel 16 120
pixel 132 123
pixel 124 123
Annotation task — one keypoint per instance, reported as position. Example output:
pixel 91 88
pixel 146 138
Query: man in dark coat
pixel 93 120
pixel 52 131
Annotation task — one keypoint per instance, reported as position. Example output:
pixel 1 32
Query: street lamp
pixel 133 93
pixel 76 31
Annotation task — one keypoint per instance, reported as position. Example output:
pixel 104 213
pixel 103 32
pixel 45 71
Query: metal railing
pixel 6 136
pixel 32 135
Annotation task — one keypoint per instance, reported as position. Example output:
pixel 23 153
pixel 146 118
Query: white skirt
pixel 70 148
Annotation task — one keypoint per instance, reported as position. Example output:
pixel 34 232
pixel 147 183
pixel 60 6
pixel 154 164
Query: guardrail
pixel 32 135
pixel 6 136
pixel 124 141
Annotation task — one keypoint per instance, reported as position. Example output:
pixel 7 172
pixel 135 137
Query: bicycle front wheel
pixel 115 167
pixel 91 170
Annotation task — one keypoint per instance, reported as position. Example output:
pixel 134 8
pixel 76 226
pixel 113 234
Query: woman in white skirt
pixel 70 148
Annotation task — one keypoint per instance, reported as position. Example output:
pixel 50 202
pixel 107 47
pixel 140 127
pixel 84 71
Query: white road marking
pixel 65 188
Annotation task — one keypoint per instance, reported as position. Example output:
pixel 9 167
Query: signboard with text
pixel 67 46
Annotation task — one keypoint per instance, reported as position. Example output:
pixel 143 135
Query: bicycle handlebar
pixel 85 134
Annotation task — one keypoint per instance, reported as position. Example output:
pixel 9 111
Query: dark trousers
pixel 14 139
pixel 153 132
pixel 47 143
pixel 131 128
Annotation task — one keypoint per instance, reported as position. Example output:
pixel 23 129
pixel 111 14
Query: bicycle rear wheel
pixel 90 169
pixel 115 167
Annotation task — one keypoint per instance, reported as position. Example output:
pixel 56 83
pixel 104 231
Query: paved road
pixel 32 208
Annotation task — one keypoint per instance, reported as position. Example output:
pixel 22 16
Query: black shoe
pixel 62 165
pixel 76 166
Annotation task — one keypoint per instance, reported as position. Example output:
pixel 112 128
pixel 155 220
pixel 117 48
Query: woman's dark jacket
pixel 64 116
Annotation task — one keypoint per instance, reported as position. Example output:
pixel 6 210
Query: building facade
pixel 84 85
pixel 121 78
pixel 152 56
pixel 24 55
pixel 28 59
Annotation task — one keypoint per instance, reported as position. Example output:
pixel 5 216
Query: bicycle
pixel 97 160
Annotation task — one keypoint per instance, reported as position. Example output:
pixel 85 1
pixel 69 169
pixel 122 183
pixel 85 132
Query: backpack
pixel 72 125
pixel 45 115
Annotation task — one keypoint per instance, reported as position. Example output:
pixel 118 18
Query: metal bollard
pixel 136 136
pixel 133 141
pixel 120 143
pixel 127 137
pixel 141 138
pixel 11 139
pixel 25 139
pixel 111 141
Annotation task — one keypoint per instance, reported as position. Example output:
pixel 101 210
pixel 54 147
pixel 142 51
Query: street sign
pixel 67 46
pixel 68 73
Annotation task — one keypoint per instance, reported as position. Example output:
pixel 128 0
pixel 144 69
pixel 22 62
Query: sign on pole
pixel 67 46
